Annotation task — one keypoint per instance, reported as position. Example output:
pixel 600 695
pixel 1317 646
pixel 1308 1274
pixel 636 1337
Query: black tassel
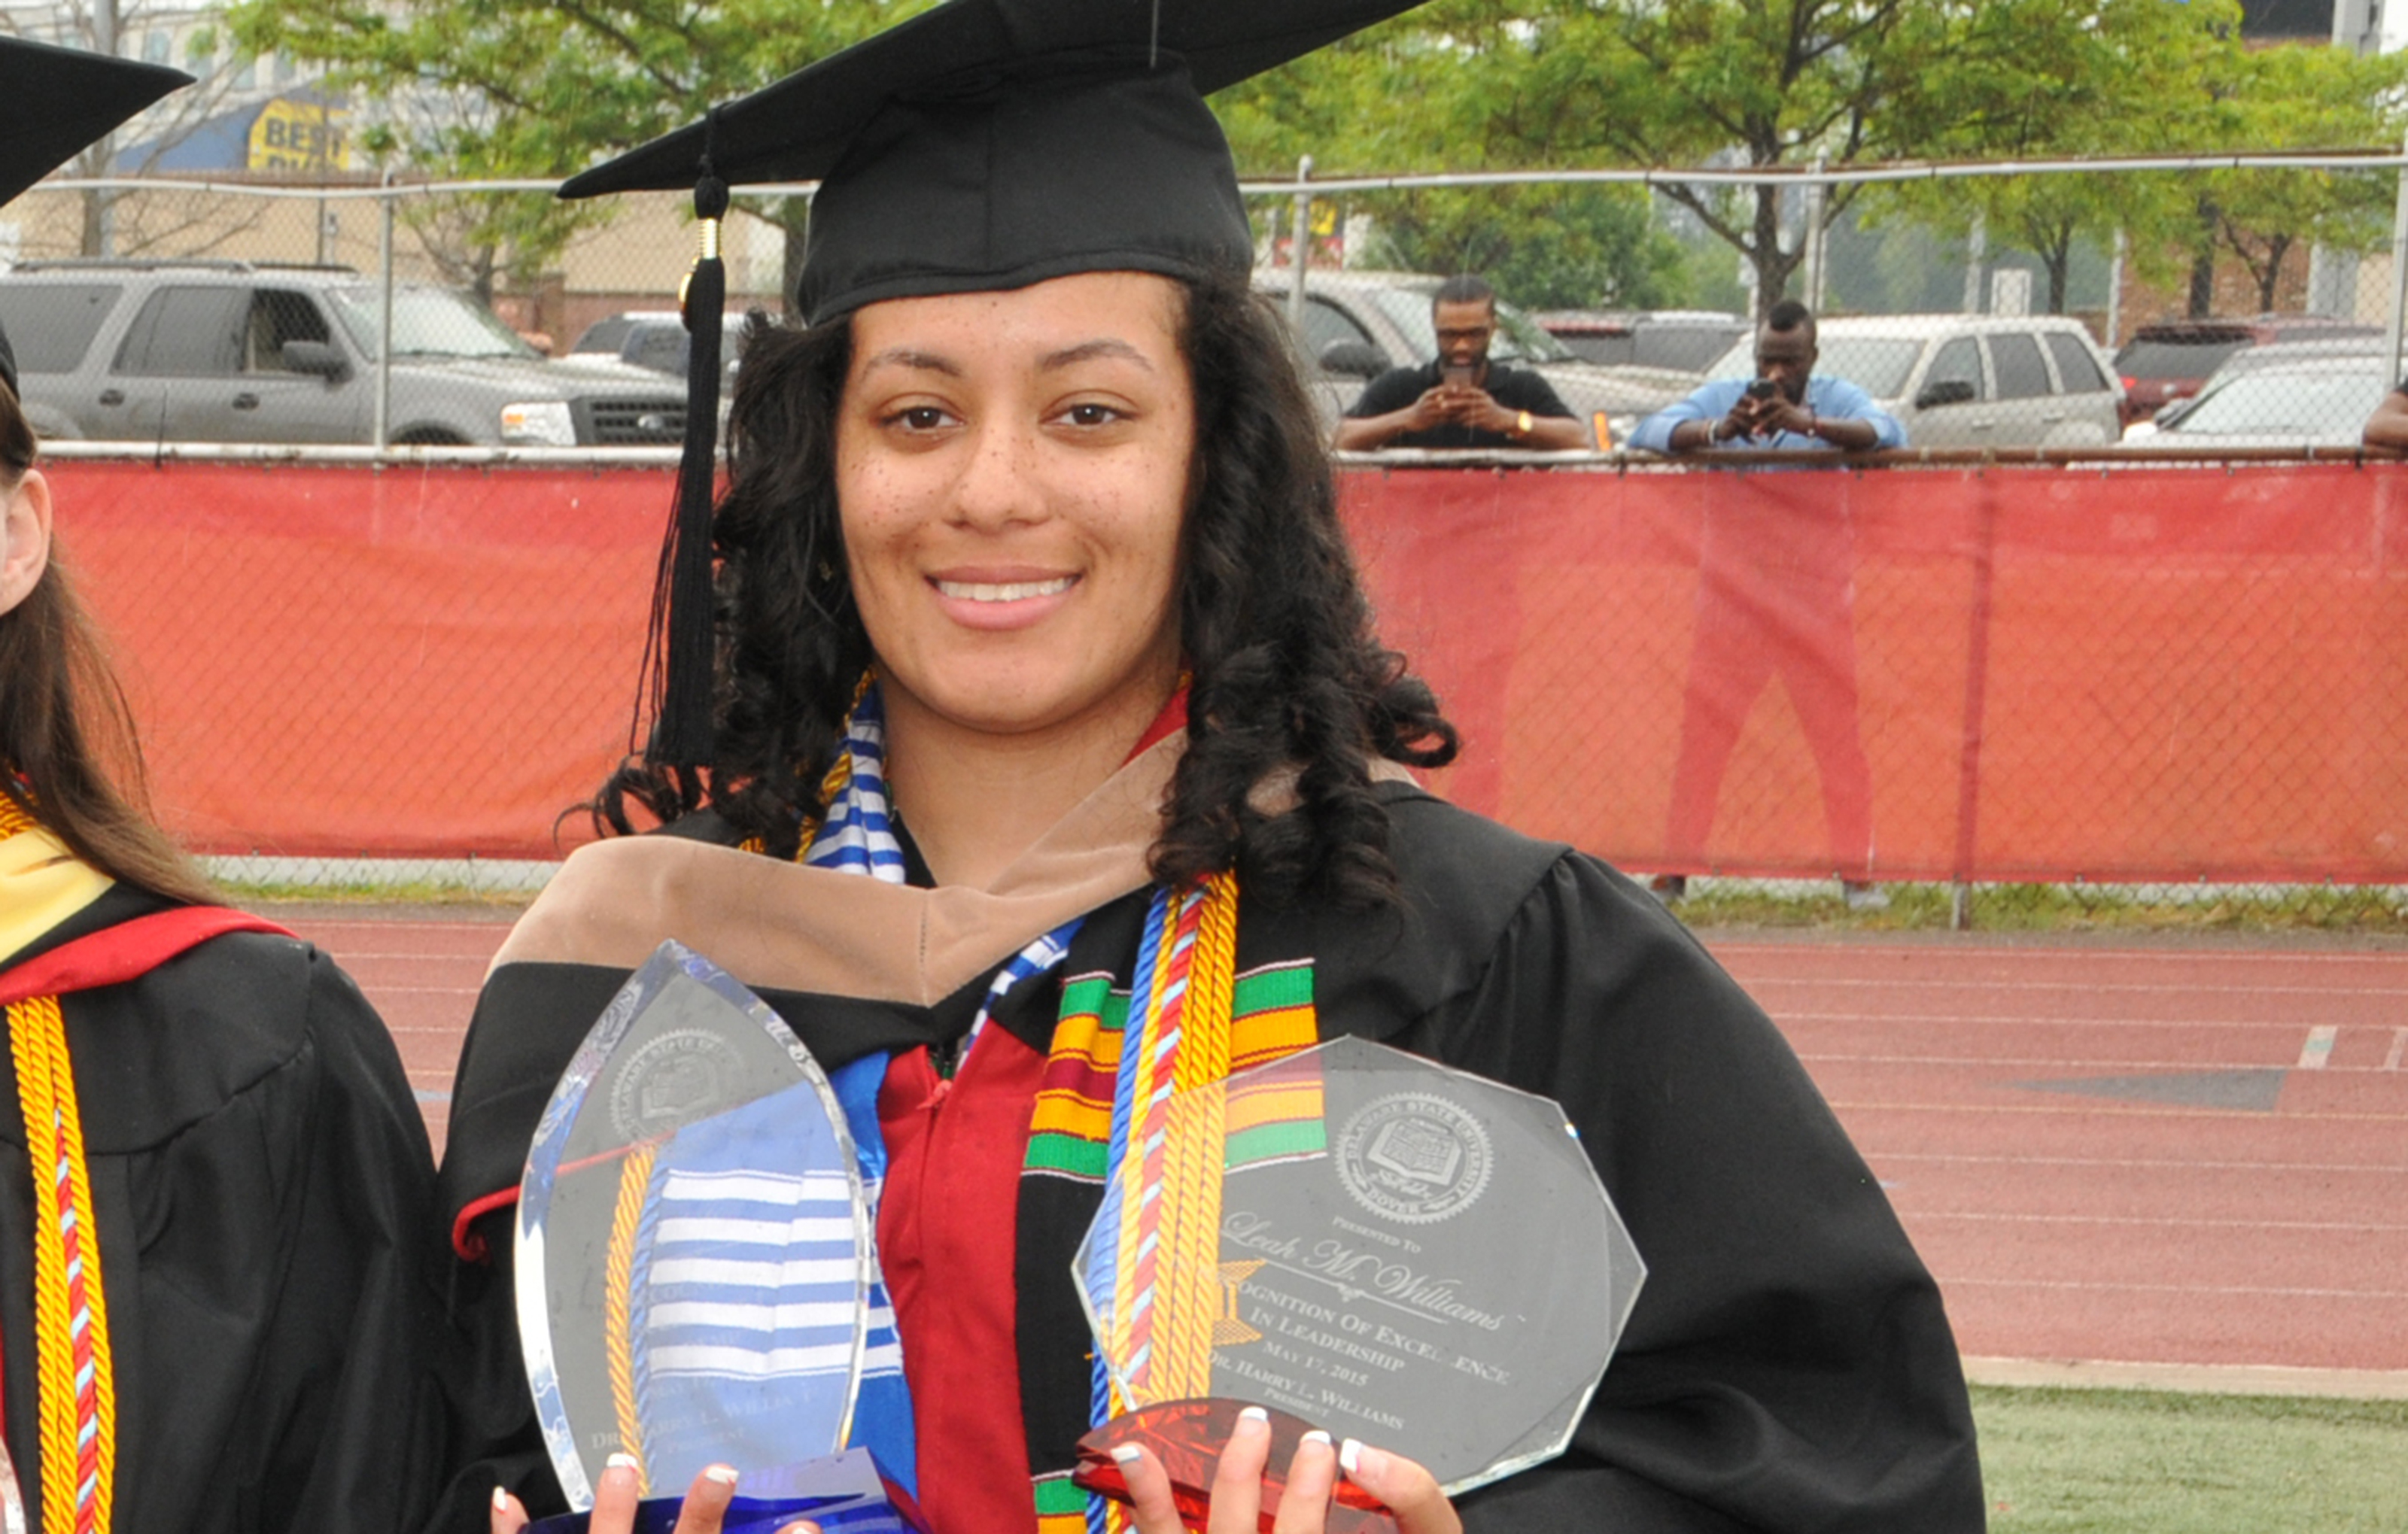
pixel 683 644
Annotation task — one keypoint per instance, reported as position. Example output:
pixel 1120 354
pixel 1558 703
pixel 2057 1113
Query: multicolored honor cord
pixel 76 1381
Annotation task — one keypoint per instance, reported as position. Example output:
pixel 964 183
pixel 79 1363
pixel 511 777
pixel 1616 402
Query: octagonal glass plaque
pixel 694 1256
pixel 1389 1248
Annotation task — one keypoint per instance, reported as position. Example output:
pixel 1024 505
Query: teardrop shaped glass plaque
pixel 694 1249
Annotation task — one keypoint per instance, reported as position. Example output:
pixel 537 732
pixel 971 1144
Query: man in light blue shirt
pixel 1785 408
pixel 1776 595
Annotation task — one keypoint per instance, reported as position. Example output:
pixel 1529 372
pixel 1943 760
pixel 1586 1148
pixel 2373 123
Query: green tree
pixel 2058 80
pixel 520 87
pixel 1757 83
pixel 2305 98
pixel 1543 246
pixel 2143 77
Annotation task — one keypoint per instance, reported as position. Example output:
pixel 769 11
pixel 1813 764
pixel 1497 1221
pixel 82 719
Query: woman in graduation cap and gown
pixel 215 1284
pixel 1040 655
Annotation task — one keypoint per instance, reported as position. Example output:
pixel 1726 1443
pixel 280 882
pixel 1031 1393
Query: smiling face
pixel 1011 474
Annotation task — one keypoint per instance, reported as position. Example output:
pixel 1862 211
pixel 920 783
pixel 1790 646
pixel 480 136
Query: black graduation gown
pixel 263 1190
pixel 1787 1365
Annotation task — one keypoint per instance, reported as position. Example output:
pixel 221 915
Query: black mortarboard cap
pixel 54 101
pixel 984 144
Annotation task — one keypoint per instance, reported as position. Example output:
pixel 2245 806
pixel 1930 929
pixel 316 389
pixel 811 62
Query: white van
pixel 1968 380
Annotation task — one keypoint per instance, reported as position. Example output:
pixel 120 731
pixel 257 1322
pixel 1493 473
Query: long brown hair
pixel 1287 669
pixel 65 734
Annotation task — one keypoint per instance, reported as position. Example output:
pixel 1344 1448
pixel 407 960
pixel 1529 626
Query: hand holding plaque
pixel 1381 1246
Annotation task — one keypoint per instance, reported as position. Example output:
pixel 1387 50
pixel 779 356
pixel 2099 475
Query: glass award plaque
pixel 1383 1247
pixel 694 1251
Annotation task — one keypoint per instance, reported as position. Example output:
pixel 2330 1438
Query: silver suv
pixel 1968 380
pixel 233 351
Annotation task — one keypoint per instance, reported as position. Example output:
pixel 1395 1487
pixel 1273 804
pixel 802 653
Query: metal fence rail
pixel 279 294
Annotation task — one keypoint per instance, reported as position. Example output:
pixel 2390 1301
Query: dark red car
pixel 2171 359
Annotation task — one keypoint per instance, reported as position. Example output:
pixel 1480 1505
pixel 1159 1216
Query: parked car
pixel 655 339
pixel 2172 359
pixel 233 352
pixel 1680 340
pixel 1956 380
pixel 1357 324
pixel 2305 401
pixel 2375 347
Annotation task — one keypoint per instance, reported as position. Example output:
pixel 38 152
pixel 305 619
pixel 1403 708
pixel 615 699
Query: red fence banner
pixel 354 662
pixel 2000 674
pixel 2010 673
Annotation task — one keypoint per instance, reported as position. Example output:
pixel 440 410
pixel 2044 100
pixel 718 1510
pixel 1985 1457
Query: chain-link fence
pixel 256 313
pixel 2118 691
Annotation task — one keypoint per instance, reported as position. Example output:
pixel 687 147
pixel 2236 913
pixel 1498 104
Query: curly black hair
pixel 1275 630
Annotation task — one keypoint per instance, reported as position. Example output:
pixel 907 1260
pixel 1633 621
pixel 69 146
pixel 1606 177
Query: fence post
pixel 382 436
pixel 1977 245
pixel 1977 689
pixel 1817 193
pixel 2115 288
pixel 1300 232
pixel 2398 270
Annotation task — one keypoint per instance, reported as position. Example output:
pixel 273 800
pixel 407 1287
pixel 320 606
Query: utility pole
pixel 1298 241
pixel 1818 193
pixel 99 207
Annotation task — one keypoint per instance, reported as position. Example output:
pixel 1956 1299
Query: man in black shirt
pixel 1461 400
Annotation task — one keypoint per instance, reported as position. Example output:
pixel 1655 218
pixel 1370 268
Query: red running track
pixel 2168 1155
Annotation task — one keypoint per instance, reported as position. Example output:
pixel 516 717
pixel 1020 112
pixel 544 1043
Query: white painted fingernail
pixel 1317 1436
pixel 1349 1455
pixel 1253 1413
pixel 724 1474
pixel 622 1462
pixel 1127 1454
pixel 501 1500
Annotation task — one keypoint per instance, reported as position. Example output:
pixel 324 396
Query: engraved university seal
pixel 683 1075
pixel 1413 1158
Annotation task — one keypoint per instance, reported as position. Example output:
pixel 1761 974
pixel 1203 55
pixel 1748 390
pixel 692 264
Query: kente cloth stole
pixel 76 1381
pixel 1176 1035
pixel 858 836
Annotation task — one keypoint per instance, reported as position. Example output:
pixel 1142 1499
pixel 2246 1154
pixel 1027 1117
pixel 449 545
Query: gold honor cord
pixel 618 1299
pixel 1195 1158
pixel 1166 1273
pixel 1141 1038
pixel 76 1381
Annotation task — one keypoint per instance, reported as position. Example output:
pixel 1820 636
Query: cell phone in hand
pixel 1762 389
pixel 1456 375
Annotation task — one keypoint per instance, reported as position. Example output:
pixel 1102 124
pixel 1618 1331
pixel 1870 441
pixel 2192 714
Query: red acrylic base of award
pixel 1187 1437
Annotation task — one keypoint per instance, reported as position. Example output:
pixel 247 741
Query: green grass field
pixel 2142 1462
pixel 2357 910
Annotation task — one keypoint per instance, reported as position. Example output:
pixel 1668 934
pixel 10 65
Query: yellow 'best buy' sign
pixel 300 136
